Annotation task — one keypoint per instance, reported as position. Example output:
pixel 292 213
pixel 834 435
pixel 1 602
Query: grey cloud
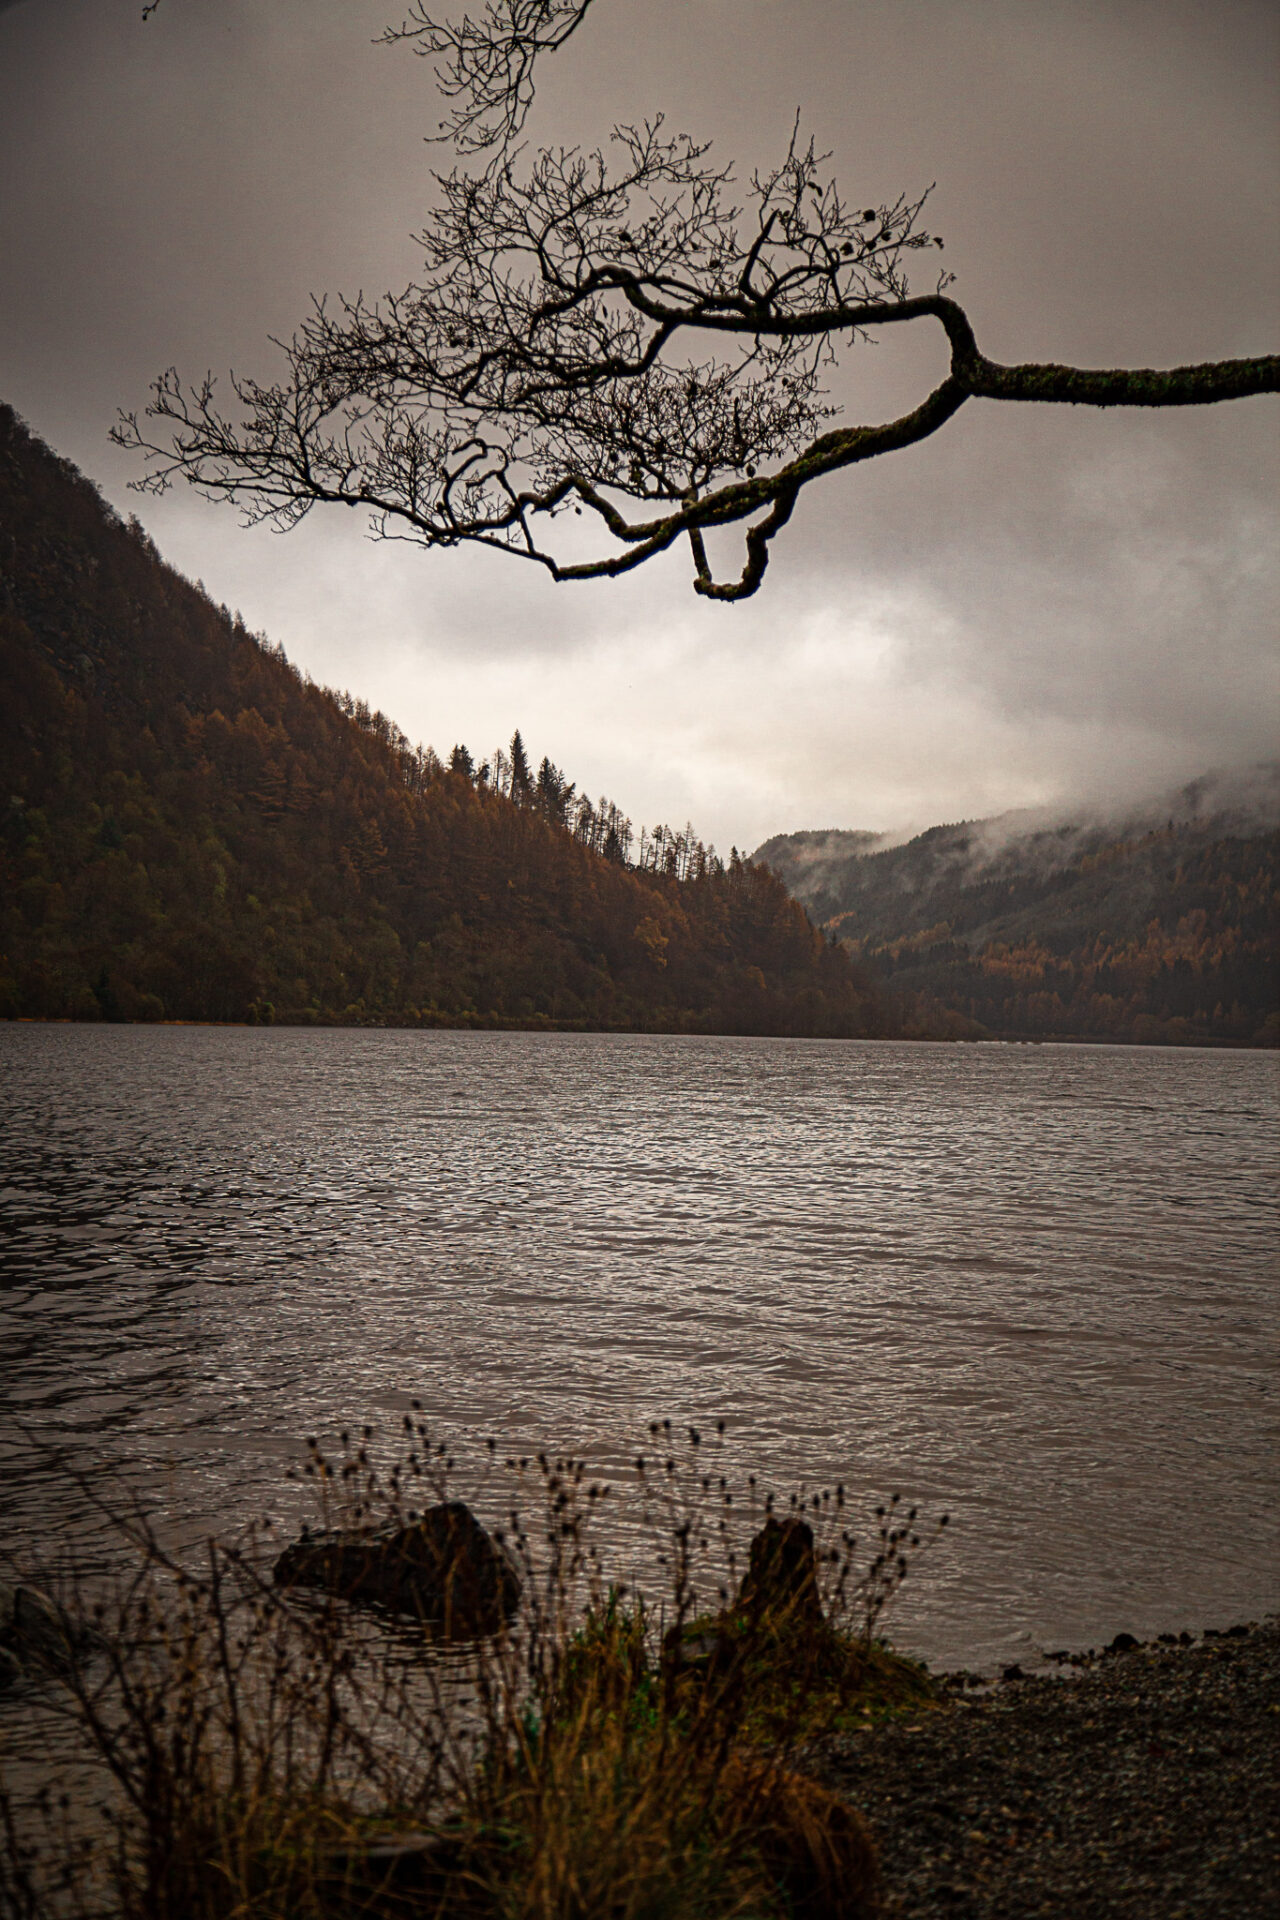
pixel 1036 605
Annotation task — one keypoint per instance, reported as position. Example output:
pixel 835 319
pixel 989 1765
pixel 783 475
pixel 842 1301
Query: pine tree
pixel 521 778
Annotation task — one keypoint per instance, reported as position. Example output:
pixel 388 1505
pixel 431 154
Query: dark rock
pixel 778 1597
pixel 40 1628
pixel 960 1677
pixel 397 1870
pixel 781 1581
pixel 700 1648
pixel 443 1567
pixel 37 1635
pixel 1013 1673
pixel 1123 1643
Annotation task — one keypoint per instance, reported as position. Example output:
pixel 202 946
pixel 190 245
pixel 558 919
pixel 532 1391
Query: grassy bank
pixel 279 1750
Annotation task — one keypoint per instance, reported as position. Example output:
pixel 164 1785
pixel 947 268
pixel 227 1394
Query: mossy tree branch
pixel 612 337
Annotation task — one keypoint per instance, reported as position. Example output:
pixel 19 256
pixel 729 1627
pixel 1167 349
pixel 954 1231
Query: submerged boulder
pixel 36 1635
pixel 443 1567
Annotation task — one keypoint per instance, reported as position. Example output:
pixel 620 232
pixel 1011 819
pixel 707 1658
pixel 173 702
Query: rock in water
pixel 778 1597
pixel 781 1581
pixel 36 1636
pixel 443 1567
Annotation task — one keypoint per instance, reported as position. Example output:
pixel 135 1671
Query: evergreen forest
pixel 190 829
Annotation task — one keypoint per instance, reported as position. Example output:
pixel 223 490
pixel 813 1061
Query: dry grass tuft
pixel 814 1846
pixel 263 1754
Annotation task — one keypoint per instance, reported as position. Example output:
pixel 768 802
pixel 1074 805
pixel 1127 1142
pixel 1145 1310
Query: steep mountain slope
pixel 190 829
pixel 1159 925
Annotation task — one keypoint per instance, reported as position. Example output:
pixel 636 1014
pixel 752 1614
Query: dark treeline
pixel 600 825
pixel 1199 969
pixel 1160 932
pixel 190 829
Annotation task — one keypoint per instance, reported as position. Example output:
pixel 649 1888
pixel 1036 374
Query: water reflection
pixel 1032 1285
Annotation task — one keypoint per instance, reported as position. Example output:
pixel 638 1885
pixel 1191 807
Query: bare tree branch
pixel 486 65
pixel 610 337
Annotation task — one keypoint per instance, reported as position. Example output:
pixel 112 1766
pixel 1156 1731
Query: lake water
pixel 1033 1286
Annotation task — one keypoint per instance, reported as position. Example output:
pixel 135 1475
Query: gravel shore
pixel 1143 1783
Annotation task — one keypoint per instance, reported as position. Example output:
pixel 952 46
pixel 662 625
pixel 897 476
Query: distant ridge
pixel 1159 923
pixel 189 829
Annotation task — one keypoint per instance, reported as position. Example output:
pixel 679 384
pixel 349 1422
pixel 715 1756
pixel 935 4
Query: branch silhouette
pixel 607 336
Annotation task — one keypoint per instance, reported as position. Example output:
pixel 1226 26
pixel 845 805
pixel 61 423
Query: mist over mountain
pixel 190 829
pixel 1157 921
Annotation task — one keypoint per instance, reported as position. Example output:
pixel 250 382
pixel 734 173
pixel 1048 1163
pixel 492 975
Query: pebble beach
pixel 1141 1783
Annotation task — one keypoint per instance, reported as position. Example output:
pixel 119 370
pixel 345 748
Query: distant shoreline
pixel 495 1023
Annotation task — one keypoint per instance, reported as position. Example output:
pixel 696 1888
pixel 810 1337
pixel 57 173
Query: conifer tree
pixel 521 778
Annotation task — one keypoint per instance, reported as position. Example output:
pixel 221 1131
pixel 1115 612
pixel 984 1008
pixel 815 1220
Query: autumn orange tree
pixel 192 829
pixel 609 335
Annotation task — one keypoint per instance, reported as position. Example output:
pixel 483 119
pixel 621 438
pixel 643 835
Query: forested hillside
pixel 189 829
pixel 1160 926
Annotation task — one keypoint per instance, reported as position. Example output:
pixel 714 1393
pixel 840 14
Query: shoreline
pixel 1139 1783
pixel 1136 1783
pixel 505 1023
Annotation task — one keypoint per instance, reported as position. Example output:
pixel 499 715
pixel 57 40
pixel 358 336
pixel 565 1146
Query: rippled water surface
pixel 1035 1286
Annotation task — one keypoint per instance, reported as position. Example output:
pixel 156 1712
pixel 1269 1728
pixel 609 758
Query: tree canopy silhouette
pixel 614 335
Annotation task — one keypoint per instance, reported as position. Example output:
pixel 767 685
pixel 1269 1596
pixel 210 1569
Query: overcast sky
pixel 1038 604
